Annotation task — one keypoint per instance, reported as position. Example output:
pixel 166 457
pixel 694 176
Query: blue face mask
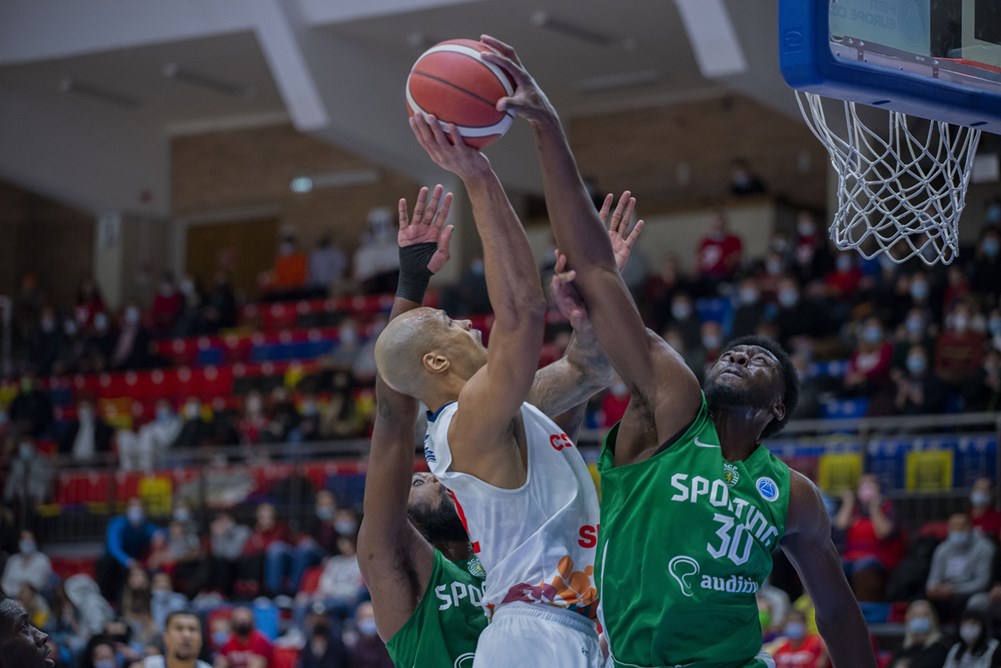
pixel 916 365
pixel 919 625
pixel 795 631
pixel 220 638
pixel 991 247
pixel 105 663
pixel 366 626
pixel 872 334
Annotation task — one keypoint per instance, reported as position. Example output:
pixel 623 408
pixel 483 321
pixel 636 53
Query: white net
pixel 900 192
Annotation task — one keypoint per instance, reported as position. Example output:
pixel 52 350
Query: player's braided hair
pixel 789 377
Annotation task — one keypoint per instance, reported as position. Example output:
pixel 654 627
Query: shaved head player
pixel 692 506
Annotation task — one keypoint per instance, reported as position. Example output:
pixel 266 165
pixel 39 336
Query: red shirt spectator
pixel 808 652
pixel 247 648
pixel 869 365
pixel 719 252
pixel 960 350
pixel 983 515
pixel 613 404
pixel 267 530
pixel 166 307
pixel 291 266
pixel 843 281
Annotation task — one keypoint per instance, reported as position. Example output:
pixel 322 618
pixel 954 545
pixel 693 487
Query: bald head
pixel 425 346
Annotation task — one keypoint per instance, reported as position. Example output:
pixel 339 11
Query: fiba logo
pixel 464 661
pixel 767 488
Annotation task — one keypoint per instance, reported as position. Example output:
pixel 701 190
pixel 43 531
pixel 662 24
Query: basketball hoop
pixel 901 194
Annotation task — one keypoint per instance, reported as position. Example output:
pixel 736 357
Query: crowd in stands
pixel 258 590
pixel 885 339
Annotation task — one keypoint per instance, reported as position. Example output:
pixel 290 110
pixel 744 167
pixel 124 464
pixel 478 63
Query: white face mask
pixel 970 633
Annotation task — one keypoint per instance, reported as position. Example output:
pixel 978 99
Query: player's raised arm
pixel 561 389
pixel 493 395
pixel 395 560
pixel 665 393
pixel 808 545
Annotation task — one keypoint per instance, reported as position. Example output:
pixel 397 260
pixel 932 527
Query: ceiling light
pixel 174 71
pixel 617 81
pixel 305 183
pixel 576 31
pixel 77 87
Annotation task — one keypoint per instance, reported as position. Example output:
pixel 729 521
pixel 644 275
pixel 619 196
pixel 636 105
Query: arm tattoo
pixel 582 371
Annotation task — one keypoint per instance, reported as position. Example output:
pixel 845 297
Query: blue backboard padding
pixel 808 64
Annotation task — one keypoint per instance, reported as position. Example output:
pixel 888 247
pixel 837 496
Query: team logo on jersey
pixel 731 476
pixel 767 488
pixel 464 661
pixel 681 569
pixel 475 568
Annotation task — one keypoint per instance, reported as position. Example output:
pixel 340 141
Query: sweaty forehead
pixel 12 613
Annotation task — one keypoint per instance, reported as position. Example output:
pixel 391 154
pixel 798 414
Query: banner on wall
pixel 839 472
pixel 929 470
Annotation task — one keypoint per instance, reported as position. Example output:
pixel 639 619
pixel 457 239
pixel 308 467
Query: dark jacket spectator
pixel 132 346
pixel 368 650
pixel 196 431
pixel 977 646
pixel 87 436
pixel 985 279
pixel 218 310
pixel 960 349
pixel 924 646
pixel 324 649
pixel 982 390
pixel 960 567
pixel 750 309
pixel 743 181
pixel 31 408
pixel 918 392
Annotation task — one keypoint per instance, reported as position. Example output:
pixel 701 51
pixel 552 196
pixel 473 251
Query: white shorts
pixel 530 636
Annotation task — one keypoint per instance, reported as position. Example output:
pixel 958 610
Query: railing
pixel 240 477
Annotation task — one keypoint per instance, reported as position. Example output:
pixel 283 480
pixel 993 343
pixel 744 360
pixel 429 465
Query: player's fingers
pixel 432 205
pixel 501 47
pixel 606 207
pixel 402 207
pixel 452 136
pixel 627 215
pixel 620 208
pixel 442 215
pixel 422 132
pixel 422 198
pixel 438 136
pixel 561 262
pixel 513 68
pixel 445 239
pixel 635 234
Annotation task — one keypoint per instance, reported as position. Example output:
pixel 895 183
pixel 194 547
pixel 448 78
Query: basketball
pixel 453 83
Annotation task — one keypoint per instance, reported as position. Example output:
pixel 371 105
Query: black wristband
pixel 414 272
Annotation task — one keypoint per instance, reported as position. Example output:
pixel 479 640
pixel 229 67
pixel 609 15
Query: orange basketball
pixel 451 81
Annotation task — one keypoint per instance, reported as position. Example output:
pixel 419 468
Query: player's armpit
pixel 808 545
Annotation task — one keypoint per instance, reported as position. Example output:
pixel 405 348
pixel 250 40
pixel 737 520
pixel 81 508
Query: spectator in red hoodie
pixel 983 515
pixel 88 304
pixel 267 531
pixel 842 283
pixel 719 253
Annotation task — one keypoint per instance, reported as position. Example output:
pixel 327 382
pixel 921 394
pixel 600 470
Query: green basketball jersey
pixel 443 630
pixel 686 541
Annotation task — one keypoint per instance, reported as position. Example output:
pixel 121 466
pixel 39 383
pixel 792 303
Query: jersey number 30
pixel 735 541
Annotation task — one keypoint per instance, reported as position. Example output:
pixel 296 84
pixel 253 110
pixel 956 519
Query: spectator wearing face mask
pixel 100 343
pixel 749 309
pixel 132 346
pixel 797 647
pixel 88 436
pixel 376 262
pixel 368 650
pixel 148 448
pixel 166 307
pixel 45 341
pixel 613 404
pixel 983 515
pixel 218 309
pixel 247 647
pixel 27 566
pixel 811 260
pixel 917 329
pixel 924 646
pixel 195 431
pixel 977 647
pixel 227 540
pixel 994 328
pixel 127 544
pixel 925 297
pixel 682 318
pixel 985 278
pixel 869 366
pixel 872 547
pixel 327 267
pixel 100 653
pixel 959 351
pixel 743 180
pixel 29 479
pixel 843 282
pixel 324 649
pixel 798 319
pixel 960 567
pixel 287 561
pixel 918 391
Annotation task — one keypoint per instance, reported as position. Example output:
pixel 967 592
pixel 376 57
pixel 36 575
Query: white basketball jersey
pixel 538 542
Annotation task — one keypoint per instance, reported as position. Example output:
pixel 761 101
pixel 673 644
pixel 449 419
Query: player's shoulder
pixel 807 511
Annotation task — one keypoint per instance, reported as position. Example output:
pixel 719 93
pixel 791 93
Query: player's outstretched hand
pixel 528 99
pixel 565 295
pixel 447 149
pixel 618 226
pixel 427 225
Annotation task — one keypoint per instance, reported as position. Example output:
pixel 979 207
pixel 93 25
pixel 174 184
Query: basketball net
pixel 901 194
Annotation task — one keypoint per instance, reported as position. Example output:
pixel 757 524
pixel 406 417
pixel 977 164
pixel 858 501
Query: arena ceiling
pixel 108 82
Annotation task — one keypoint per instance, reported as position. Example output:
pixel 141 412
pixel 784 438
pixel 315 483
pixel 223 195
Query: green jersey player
pixel 692 506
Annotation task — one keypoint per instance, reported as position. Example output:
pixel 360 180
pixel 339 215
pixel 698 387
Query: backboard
pixel 937 59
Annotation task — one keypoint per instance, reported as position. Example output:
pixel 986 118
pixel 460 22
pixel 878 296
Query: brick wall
pixel 40 235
